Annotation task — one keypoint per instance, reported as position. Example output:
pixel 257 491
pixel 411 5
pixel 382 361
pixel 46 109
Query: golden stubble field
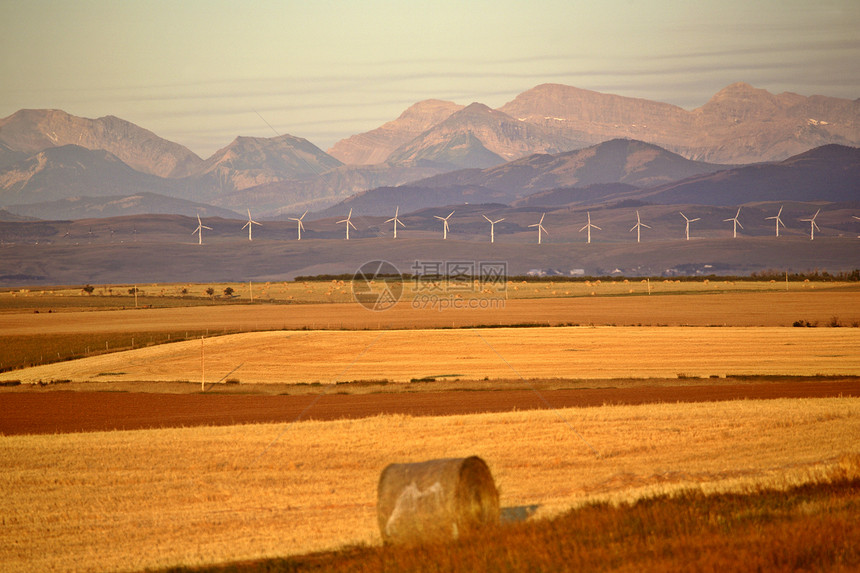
pixel 154 498
pixel 329 357
pixel 671 304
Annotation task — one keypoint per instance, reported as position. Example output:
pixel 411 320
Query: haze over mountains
pixel 549 137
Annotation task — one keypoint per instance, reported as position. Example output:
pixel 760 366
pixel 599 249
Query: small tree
pixel 210 291
pixel 132 290
pixel 228 291
pixel 89 289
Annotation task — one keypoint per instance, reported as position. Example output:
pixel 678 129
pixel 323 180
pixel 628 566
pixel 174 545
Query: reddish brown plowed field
pixel 61 412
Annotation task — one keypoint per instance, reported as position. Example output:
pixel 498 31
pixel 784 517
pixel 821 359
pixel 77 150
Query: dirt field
pixel 35 412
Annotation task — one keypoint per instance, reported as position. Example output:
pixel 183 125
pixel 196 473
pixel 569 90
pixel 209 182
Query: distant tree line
pixel 765 275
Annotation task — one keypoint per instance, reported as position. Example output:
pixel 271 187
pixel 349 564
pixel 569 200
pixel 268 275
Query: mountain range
pixel 549 137
pixel 625 170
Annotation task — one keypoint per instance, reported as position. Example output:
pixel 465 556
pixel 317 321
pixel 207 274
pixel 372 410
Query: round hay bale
pixel 435 500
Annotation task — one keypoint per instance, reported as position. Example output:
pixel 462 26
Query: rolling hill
pixel 477 136
pixel 829 173
pixel 251 161
pixel 740 123
pixel 375 146
pixel 71 171
pixel 139 204
pixel 32 131
pixel 616 161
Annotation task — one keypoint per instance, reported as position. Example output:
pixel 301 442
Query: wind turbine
pixel 199 230
pixel 589 226
pixel 638 227
pixel 395 220
pixel 688 223
pixel 444 224
pixel 493 228
pixel 736 223
pixel 348 223
pixel 540 227
pixel 812 225
pixel 299 225
pixel 778 220
pixel 250 224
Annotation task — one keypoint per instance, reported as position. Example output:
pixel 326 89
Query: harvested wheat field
pixel 155 498
pixel 329 357
pixel 753 308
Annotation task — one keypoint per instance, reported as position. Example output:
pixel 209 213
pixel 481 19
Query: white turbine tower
pixel 395 220
pixel 688 223
pixel 638 227
pixel 812 225
pixel 540 227
pixel 250 224
pixel 589 226
pixel 493 228
pixel 444 224
pixel 348 223
pixel 778 220
pixel 299 225
pixel 736 223
pixel 199 230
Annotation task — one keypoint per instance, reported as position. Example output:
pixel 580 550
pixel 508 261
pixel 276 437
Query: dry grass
pixel 30 338
pixel 474 354
pixel 811 527
pixel 165 295
pixel 130 500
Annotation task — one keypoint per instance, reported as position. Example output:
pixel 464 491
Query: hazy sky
pixel 202 72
